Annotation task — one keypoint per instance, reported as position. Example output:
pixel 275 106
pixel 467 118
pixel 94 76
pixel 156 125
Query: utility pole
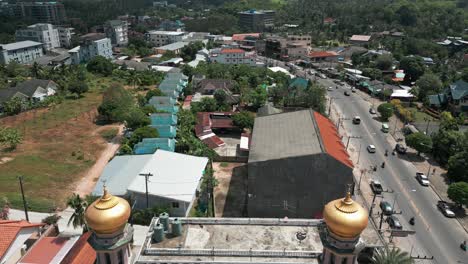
pixel 360 178
pixel 146 175
pixel 25 204
pixel 349 138
pixel 359 154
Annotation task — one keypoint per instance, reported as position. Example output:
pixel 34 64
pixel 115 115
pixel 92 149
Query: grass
pixel 224 164
pixel 59 146
pixel 109 134
pixel 419 116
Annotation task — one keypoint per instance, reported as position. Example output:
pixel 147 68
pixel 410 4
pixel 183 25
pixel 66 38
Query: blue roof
pixel 150 145
pixel 119 173
pixel 459 89
pixel 165 131
pixel 162 101
pixel 299 83
pixel 163 119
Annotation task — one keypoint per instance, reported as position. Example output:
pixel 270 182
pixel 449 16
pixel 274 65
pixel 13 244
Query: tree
pixel 428 84
pixel 372 73
pixel 78 87
pixel 37 70
pixel 13 106
pixel 125 149
pixel 457 169
pixel 243 120
pixel 77 219
pixel 420 142
pixel 385 110
pixel 413 66
pixel 257 97
pixel 148 109
pixel 206 104
pixel 388 255
pixel 458 192
pixel 446 143
pixel 220 96
pixel 136 118
pixel 116 102
pixel 141 133
pixel 384 62
pixel 464 74
pixel 448 122
pixel 100 65
pixel 134 78
pixel 153 92
pixel 11 137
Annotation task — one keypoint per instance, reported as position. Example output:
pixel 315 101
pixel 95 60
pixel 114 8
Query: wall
pixel 140 199
pixel 23 56
pixel 296 187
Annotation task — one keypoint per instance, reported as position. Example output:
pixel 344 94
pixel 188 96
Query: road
pixel 440 236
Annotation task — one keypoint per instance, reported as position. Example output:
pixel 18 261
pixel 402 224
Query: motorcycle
pixel 386 152
pixel 463 246
pixel 411 221
pixel 375 168
pixel 383 165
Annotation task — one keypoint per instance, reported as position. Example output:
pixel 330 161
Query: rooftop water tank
pixel 164 220
pixel 176 226
pixel 158 233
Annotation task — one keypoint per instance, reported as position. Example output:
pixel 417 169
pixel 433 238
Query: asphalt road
pixel 440 236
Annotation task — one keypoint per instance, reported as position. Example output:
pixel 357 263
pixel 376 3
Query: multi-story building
pixel 117 31
pixel 161 38
pixel 169 25
pixel 91 45
pixel 43 12
pixel 41 32
pixel 290 47
pixel 256 21
pixel 232 56
pixel 65 35
pixel 22 52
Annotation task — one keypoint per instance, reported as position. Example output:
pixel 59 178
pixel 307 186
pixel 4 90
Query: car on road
pixel 330 88
pixel 371 148
pixel 321 75
pixel 422 179
pixel 372 111
pixel 400 148
pixel 386 208
pixel 376 187
pixel 337 82
pixel 394 222
pixel 356 120
pixel 347 93
pixel 385 128
pixel 353 90
pixel 445 209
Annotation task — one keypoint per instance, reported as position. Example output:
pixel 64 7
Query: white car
pixel 330 88
pixel 371 148
pixel 422 179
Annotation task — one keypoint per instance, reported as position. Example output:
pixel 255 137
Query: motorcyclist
pixel 383 164
pixel 386 152
pixel 463 245
pixel 411 221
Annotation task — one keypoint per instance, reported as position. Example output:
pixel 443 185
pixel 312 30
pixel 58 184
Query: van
pixel 356 120
pixel 385 128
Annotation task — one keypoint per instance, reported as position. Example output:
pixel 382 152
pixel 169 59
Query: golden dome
pixel 345 218
pixel 107 214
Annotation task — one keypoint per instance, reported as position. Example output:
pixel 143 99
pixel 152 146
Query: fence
pixel 232 253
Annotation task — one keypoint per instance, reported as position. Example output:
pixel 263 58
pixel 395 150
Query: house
pixel 232 56
pixel 16 238
pixel 33 90
pixel 360 39
pixel 134 65
pixel 209 121
pixel 165 131
pixel 455 96
pixel 298 83
pixel 24 52
pixel 210 86
pixel 163 119
pixel 150 145
pixel 305 168
pixel 319 56
pixel 164 103
pixel 117 31
pixel 175 47
pixel 160 38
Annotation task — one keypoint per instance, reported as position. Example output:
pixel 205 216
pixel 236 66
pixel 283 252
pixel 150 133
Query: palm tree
pixel 134 78
pixel 391 256
pixel 37 70
pixel 78 204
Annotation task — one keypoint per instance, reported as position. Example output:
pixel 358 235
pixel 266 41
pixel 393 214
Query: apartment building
pixel 51 36
pixel 91 45
pixel 42 12
pixel 232 56
pixel 117 31
pixel 160 38
pixel 256 21
pixel 23 52
pixel 65 35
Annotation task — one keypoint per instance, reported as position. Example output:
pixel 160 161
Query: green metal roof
pixel 437 99
pixel 459 89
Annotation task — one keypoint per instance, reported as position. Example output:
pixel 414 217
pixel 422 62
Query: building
pixel 208 122
pixel 23 52
pixel 321 56
pixel 360 39
pixel 91 45
pixel 232 56
pixel 16 238
pixel 289 47
pixel 343 236
pixel 65 35
pixel 168 25
pixel 257 21
pixel 306 167
pixel 42 12
pixel 44 33
pixel 173 47
pixel 33 90
pixel 117 31
pixel 161 38
pixel 455 96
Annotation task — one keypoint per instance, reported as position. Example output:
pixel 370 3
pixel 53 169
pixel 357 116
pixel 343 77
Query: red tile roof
pixel 363 38
pixel 81 252
pixel 331 140
pixel 44 250
pixel 224 51
pixel 9 229
pixel 322 54
pixel 240 37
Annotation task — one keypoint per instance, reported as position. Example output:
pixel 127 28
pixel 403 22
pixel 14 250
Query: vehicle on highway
pixel 337 82
pixel 347 93
pixel 386 208
pixel 330 88
pixel 372 111
pixel 385 128
pixel 376 187
pixel 422 179
pixel 400 148
pixel 353 89
pixel 356 120
pixel 371 148
pixel 321 75
pixel 445 209
pixel 394 223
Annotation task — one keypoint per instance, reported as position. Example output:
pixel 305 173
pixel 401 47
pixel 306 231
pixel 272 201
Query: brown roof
pixel 9 229
pixel 240 37
pixel 363 38
pixel 81 252
pixel 322 54
pixel 44 250
pixel 224 51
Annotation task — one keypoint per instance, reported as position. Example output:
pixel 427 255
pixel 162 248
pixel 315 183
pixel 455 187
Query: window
pixel 175 204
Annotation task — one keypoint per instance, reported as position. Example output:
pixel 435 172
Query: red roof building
pixel 82 252
pixel 230 51
pixel 13 235
pixel 241 37
pixel 206 121
pixel 322 54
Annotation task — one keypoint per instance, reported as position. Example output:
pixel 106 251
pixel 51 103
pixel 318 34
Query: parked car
pixel 321 75
pixel 376 187
pixel 371 148
pixel 330 88
pixel 337 82
pixel 356 120
pixel 386 208
pixel 372 111
pixel 422 179
pixel 353 89
pixel 394 223
pixel 347 93
pixel 445 209
pixel 385 128
pixel 400 148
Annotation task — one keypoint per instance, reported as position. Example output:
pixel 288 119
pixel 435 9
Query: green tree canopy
pixel 136 118
pixel 457 169
pixel 388 255
pixel 448 122
pixel 420 142
pixel 10 136
pixel 116 102
pixel 458 192
pixel 141 133
pixel 77 219
pixel 385 110
pixel 220 96
pixel 446 143
pixel 100 65
pixel 153 92
pixel 78 87
pixel 14 106
pixel 257 97
pixel 243 120
pixel 428 84
pixel 413 66
pixel 384 62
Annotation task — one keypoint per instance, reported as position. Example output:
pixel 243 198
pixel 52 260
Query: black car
pixel 393 222
pixel 347 93
pixel 386 208
pixel 400 148
pixel 376 187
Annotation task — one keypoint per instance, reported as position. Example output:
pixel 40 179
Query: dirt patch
pixel 5 160
pixel 231 193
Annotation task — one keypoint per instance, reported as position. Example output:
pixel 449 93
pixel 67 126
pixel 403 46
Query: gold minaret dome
pixel 345 218
pixel 107 214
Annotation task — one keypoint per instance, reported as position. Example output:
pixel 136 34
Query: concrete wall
pixel 140 199
pixel 296 187
pixel 23 56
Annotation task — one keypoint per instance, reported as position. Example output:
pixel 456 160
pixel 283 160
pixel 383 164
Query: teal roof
pixel 150 145
pixel 163 119
pixel 459 89
pixel 166 131
pixel 437 99
pixel 162 101
pixel 168 109
pixel 299 82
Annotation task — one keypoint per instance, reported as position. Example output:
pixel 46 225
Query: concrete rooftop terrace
pixel 239 240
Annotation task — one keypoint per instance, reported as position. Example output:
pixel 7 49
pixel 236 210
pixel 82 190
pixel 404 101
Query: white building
pixel 161 38
pixel 65 35
pixel 91 45
pixel 232 56
pixel 117 31
pixel 22 52
pixel 44 33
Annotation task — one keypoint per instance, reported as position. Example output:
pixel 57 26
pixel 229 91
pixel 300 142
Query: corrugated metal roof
pixel 20 45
